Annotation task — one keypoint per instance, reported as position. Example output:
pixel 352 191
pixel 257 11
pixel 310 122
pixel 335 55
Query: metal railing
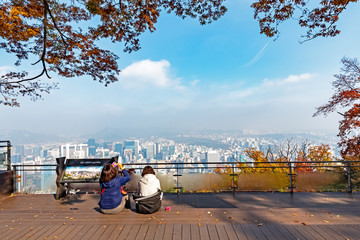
pixel 233 175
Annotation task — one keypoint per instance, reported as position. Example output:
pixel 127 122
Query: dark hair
pixel 147 170
pixel 108 173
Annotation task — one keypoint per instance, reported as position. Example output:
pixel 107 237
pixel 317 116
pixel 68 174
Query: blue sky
pixel 190 77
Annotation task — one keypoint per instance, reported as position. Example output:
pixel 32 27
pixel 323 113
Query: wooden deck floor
pixel 193 216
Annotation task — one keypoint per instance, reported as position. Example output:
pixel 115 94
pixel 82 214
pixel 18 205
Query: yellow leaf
pixel 325 221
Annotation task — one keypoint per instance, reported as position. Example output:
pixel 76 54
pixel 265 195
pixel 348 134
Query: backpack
pixel 148 204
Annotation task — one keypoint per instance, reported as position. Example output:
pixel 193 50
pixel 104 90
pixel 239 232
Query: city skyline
pixel 220 76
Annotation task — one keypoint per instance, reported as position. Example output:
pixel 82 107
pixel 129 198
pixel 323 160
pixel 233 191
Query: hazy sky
pixel 186 77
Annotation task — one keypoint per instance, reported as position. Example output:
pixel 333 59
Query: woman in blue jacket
pixel 112 199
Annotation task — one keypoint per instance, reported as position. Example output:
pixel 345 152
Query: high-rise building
pixel 150 151
pixel 211 156
pixel 118 147
pixel 134 145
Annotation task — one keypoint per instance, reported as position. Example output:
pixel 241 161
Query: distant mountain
pixel 25 137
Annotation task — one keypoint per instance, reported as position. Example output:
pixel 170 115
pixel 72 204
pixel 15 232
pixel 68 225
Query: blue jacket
pixel 111 197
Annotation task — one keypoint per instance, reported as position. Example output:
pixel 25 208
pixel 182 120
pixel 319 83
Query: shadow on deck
pixel 193 216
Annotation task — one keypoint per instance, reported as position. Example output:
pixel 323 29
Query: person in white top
pixel 148 184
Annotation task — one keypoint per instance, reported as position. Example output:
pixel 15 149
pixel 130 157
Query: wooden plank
pixel 186 231
pixel 257 231
pixel 108 231
pixel 99 232
pixel 133 232
pixel 40 233
pixel 350 231
pixel 177 232
pixel 159 234
pixel 14 232
pixel 248 232
pixel 142 232
pixel 52 235
pixel 116 232
pixel 204 233
pixel 286 231
pixel 230 232
pixel 169 230
pixel 49 231
pixel 276 232
pixel 213 235
pixel 294 232
pixel 125 232
pixel 321 233
pixel 31 232
pixel 307 232
pixel 194 231
pixel 333 231
pixel 90 232
pixel 150 234
pixel 74 232
pixel 221 232
pixel 68 231
pixel 82 232
pixel 267 233
pixel 240 232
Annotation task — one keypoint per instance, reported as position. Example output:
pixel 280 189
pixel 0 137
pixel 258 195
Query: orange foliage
pixel 56 32
pixel 319 21
pixel 346 97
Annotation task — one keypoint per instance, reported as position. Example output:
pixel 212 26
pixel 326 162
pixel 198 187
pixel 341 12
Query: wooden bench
pixel 65 178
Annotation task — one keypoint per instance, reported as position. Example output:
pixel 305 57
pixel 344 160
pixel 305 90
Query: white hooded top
pixel 148 184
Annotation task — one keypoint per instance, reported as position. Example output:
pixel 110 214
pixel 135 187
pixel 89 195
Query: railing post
pixel 177 175
pixel 291 174
pixel 8 155
pixel 348 170
pixel 233 174
pixel 15 179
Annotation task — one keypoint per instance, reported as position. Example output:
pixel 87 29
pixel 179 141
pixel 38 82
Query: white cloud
pixel 291 79
pixel 194 83
pixel 147 73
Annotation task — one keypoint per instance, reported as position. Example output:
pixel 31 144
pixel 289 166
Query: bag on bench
pixel 148 204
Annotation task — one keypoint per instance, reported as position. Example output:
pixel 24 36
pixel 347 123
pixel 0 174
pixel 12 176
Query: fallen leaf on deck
pixel 225 212
pixel 303 223
pixel 199 224
pixel 311 215
pixel 231 218
pixel 160 222
pixel 153 217
pixel 294 214
pixel 11 228
pixel 260 224
pixel 296 221
pixel 64 223
pixel 120 228
pixel 36 216
pixel 177 213
pixel 325 221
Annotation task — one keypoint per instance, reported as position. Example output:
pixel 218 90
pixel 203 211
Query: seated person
pixel 113 198
pixel 148 184
pixel 149 194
